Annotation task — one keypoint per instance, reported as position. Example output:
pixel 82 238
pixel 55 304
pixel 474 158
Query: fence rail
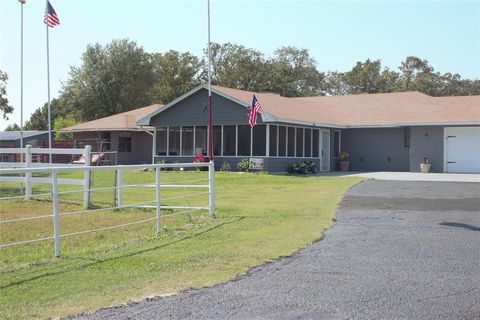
pixel 118 189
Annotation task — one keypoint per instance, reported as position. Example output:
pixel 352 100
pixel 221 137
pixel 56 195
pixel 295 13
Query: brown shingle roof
pixel 382 109
pixel 125 121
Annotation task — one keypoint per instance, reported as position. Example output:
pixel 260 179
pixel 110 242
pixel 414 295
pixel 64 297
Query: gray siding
pixel 270 164
pixel 426 142
pixel 376 149
pixel 193 111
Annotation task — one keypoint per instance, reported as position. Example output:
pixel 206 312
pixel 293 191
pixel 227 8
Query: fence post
pixel 56 224
pixel 86 176
pixel 28 175
pixel 120 187
pixel 157 196
pixel 211 187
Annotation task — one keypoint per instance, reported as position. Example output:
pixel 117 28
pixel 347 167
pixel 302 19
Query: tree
pixel 112 79
pixel 63 122
pixel 13 127
pixel 236 66
pixel 175 73
pixel 295 73
pixel 5 108
pixel 39 118
pixel 364 77
pixel 335 84
pixel 418 75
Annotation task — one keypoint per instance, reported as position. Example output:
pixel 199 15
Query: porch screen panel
pixel 282 141
pixel 273 141
pixel 291 142
pixel 259 140
pixel 187 141
pixel 229 140
pixel 162 141
pixel 217 140
pixel 244 140
pixel 299 152
pixel 308 142
pixel 201 140
pixel 315 143
pixel 174 142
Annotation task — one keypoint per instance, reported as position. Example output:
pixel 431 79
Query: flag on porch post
pixel 252 119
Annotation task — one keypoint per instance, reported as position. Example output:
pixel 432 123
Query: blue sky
pixel 337 34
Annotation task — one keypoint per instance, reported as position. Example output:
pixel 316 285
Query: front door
pixel 325 166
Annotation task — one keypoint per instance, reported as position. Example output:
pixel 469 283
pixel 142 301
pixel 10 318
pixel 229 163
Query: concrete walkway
pixel 409 176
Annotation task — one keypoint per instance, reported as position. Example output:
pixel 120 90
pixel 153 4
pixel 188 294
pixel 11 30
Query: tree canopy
pixel 121 76
pixel 5 108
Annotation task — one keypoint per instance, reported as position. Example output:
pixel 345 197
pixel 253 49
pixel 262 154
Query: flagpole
pixel 48 88
pixel 22 2
pixel 210 126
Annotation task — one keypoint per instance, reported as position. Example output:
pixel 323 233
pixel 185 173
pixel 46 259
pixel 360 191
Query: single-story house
pixel 119 133
pixel 381 132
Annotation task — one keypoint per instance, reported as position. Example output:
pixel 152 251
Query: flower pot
pixel 344 165
pixel 425 167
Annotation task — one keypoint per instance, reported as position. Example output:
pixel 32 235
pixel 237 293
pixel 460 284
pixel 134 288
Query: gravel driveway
pixel 399 250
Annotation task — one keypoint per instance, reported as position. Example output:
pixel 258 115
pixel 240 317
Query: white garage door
pixel 462 149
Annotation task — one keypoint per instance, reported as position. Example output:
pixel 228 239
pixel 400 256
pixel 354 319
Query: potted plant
pixel 426 166
pixel 344 161
pixel 199 159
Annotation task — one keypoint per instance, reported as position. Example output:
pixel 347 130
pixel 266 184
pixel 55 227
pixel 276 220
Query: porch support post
pixel 154 144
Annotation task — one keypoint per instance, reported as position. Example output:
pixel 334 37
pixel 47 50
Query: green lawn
pixel 259 218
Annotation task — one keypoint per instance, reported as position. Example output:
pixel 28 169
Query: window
pixel 259 140
pixel 106 141
pixel 299 152
pixel 406 137
pixel 162 141
pixel 201 141
pixel 217 140
pixel 174 141
pixel 282 141
pixel 291 142
pixel 308 142
pixel 124 144
pixel 336 143
pixel 244 140
pixel 187 141
pixel 106 136
pixel 273 141
pixel 229 140
pixel 315 153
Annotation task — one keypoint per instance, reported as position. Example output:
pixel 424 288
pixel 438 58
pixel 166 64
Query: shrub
pixel 225 167
pixel 243 165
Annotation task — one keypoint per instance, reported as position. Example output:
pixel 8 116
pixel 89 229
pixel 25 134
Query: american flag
pixel 51 18
pixel 252 119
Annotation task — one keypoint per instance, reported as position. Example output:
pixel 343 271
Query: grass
pixel 259 218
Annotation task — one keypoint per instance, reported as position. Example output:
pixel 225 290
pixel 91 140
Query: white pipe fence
pixel 27 154
pixel 119 188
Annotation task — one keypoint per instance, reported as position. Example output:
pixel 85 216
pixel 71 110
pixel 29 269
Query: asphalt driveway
pixel 399 250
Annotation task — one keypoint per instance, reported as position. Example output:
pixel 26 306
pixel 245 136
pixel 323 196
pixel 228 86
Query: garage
pixel 462 149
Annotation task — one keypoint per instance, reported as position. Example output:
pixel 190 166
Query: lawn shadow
pixel 100 261
pixel 460 225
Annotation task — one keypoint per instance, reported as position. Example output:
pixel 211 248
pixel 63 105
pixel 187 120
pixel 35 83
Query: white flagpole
pixel 22 2
pixel 48 88
pixel 210 126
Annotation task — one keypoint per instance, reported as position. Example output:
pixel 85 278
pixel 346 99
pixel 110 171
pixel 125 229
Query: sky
pixel 336 33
